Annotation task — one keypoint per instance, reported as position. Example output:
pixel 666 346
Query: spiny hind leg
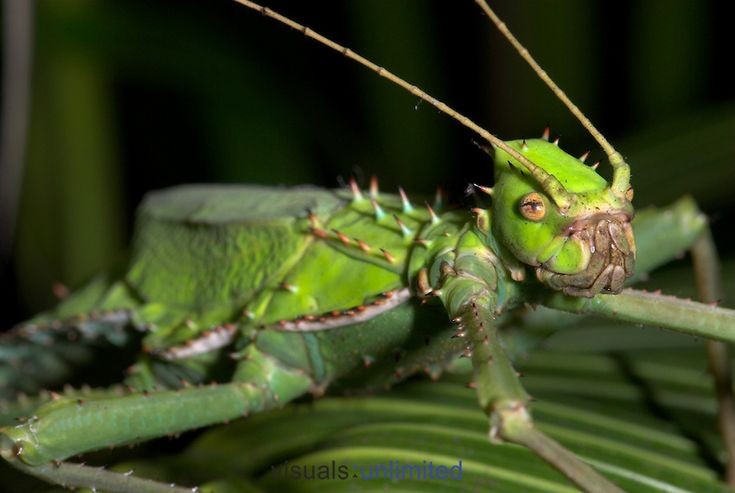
pixel 67 427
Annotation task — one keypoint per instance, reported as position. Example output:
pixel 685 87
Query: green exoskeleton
pixel 275 293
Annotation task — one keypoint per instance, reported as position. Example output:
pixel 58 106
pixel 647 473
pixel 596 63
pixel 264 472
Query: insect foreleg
pixel 504 400
pixel 655 309
pixel 470 292
pixel 663 234
pixel 660 236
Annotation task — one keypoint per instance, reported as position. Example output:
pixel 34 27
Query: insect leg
pixel 68 427
pixel 655 309
pixel 96 479
pixel 505 401
pixel 661 235
pixel 709 288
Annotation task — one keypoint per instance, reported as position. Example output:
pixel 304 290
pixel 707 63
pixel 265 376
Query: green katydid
pixel 278 318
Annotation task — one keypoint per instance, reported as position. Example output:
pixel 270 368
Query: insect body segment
pixel 578 236
pixel 320 239
pixel 281 348
pixel 364 256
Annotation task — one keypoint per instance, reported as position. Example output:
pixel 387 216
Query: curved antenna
pixel 621 169
pixel 549 182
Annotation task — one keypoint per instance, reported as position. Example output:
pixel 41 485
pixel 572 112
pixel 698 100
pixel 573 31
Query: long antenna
pixel 621 169
pixel 547 181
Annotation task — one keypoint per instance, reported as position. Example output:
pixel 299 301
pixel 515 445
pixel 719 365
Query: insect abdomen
pixel 200 246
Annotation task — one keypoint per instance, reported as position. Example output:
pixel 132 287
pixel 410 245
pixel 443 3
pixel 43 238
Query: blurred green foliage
pixel 130 96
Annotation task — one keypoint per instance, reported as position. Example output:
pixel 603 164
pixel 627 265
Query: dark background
pixel 131 96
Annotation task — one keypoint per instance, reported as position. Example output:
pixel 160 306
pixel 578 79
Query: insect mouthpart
pixel 607 241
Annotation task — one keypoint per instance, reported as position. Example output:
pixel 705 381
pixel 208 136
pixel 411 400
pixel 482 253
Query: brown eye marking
pixel 532 207
pixel 629 194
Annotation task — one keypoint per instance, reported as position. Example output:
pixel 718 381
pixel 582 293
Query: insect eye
pixel 629 194
pixel 532 207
